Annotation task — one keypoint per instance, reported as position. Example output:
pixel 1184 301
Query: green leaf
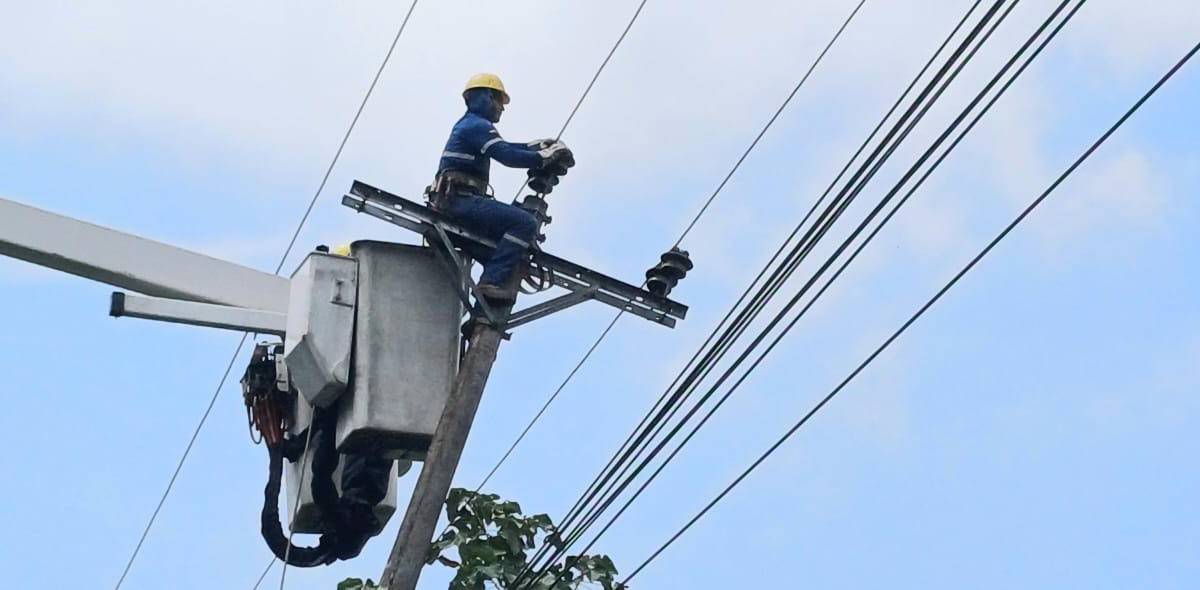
pixel 542 521
pixel 479 551
pixel 492 538
pixel 455 501
pixel 556 541
pixel 494 571
pixel 357 584
pixel 516 544
pixel 350 584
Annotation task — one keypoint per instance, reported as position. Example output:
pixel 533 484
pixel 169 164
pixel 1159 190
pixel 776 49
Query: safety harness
pixel 451 183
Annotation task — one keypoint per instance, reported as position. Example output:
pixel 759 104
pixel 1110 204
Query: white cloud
pixel 270 86
pixel 1164 395
pixel 274 84
pixel 1118 199
pixel 882 408
pixel 1014 134
pixel 1134 36
pixel 934 223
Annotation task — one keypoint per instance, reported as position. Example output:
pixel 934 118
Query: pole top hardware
pixel 582 283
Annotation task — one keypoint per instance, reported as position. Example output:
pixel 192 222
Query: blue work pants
pixel 495 220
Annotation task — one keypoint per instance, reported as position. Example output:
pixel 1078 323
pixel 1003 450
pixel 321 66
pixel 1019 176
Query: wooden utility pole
pixel 408 555
pixel 412 544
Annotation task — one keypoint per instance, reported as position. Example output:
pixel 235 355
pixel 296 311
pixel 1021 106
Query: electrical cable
pixel 588 354
pixel 834 277
pixel 550 400
pixel 603 334
pixel 706 365
pixel 799 255
pixel 312 426
pixel 678 241
pixel 563 129
pixel 282 259
pixel 924 308
pixel 742 318
pixel 179 466
pixel 799 226
pixel 770 122
pixel 312 202
pixel 943 155
pixel 571 539
pixel 708 359
pixel 346 137
pixel 592 82
pixel 263 576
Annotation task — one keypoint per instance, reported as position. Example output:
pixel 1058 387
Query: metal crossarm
pixel 546 308
pixel 458 269
pixel 583 282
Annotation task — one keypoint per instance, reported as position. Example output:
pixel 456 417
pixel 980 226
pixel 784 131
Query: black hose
pixel 272 529
pixel 348 519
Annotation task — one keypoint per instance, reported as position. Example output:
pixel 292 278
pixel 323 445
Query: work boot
pixel 497 293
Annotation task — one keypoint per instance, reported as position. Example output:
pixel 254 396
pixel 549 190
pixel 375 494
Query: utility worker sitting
pixel 460 191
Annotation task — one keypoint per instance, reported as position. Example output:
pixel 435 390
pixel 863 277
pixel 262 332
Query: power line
pixel 312 202
pixel 868 167
pixel 591 83
pixel 808 242
pixel 750 288
pixel 770 122
pixel 696 218
pixel 551 399
pixel 603 64
pixel 263 576
pixel 921 311
pixel 797 297
pixel 603 334
pixel 575 109
pixel 179 466
pixel 806 290
pixel 312 425
pixel 596 512
pixel 346 137
pixel 700 371
pixel 282 259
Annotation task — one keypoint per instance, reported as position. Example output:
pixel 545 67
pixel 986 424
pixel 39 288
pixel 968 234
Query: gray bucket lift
pixel 393 408
pixel 373 336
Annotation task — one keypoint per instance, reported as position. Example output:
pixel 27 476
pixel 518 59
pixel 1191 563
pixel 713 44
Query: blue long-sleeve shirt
pixel 474 142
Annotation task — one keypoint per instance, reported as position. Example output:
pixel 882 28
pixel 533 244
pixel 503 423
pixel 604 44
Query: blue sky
pixel 1036 429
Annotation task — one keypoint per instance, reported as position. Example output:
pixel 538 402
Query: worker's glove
pixel 557 155
pixel 549 151
pixel 541 144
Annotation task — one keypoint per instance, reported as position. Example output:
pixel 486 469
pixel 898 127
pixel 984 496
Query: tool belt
pixel 452 183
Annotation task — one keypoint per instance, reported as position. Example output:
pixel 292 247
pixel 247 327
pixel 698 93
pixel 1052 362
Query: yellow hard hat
pixel 341 250
pixel 487 81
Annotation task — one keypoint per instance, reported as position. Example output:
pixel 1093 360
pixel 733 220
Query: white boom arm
pixel 198 314
pixel 134 263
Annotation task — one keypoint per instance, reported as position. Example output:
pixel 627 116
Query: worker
pixel 461 188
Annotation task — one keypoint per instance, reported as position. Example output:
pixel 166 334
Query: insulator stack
pixel 673 265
